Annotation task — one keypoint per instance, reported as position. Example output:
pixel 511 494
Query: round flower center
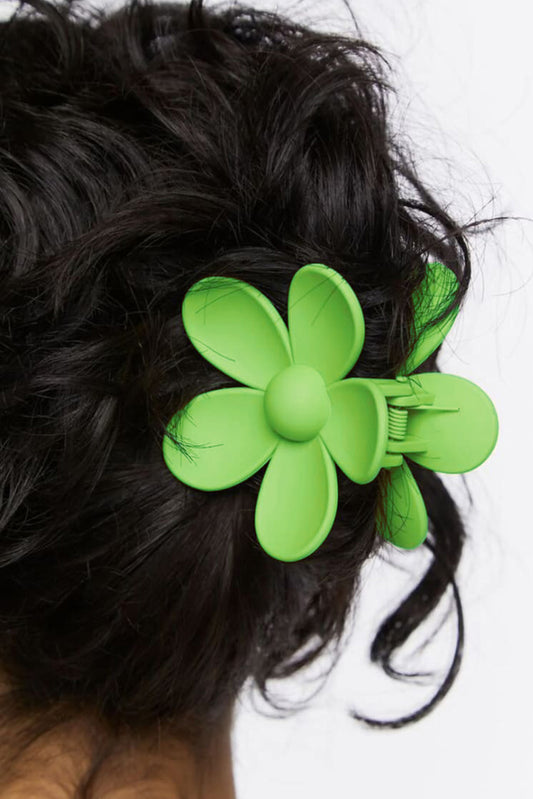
pixel 297 405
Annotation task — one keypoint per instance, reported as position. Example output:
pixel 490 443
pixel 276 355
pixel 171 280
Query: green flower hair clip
pixel 298 412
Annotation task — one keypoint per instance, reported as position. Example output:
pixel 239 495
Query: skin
pixel 165 768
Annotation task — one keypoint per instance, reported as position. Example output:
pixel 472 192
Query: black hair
pixel 141 150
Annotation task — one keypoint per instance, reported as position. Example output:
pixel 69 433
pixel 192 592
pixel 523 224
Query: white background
pixel 464 73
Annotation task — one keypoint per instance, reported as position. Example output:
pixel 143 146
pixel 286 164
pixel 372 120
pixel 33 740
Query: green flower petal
pixel 297 500
pixel 237 329
pixel 460 439
pixel 226 436
pixel 357 429
pixel 405 521
pixel 326 324
pixel 434 294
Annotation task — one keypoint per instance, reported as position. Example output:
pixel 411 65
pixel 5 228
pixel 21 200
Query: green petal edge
pixel 225 436
pixel 237 329
pixel 405 524
pixel 326 323
pixel 297 500
pixel 459 439
pixel 434 294
pixel 356 433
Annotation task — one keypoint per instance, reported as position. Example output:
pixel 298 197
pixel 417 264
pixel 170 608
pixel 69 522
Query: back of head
pixel 139 152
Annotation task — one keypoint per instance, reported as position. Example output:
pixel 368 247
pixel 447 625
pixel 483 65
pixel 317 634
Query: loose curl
pixel 140 151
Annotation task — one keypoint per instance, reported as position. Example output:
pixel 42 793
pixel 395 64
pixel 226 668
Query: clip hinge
pixel 402 397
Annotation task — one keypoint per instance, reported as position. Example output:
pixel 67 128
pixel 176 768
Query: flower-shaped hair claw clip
pixel 299 413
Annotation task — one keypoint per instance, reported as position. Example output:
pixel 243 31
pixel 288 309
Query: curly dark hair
pixel 141 150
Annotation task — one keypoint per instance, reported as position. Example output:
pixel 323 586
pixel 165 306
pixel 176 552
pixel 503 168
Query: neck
pixel 55 766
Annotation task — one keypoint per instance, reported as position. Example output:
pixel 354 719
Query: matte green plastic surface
pixel 237 329
pixel 226 438
pixel 357 429
pixel 297 413
pixel 297 405
pixel 297 500
pixel 434 294
pixel 405 512
pixel 326 323
pixel 460 428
